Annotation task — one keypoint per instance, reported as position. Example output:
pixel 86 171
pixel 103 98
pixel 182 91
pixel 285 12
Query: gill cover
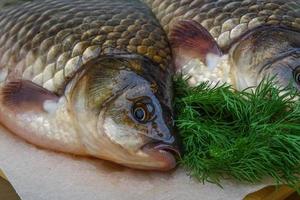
pixel 267 52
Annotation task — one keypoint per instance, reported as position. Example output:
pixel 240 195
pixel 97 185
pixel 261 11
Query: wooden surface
pixel 273 193
pixel 7 192
pixel 2 175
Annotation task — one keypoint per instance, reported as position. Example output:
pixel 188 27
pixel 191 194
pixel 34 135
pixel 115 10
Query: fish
pixel 89 78
pixel 7 3
pixel 253 39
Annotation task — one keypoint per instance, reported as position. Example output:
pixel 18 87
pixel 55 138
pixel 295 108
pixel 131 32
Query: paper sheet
pixel 44 175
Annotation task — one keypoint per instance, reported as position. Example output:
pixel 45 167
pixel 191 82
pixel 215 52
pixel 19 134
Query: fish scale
pixel 228 20
pixel 49 41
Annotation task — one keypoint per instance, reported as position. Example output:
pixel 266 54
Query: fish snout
pixel 161 132
pixel 163 135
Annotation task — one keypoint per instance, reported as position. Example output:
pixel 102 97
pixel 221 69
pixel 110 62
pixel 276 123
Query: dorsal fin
pixel 190 40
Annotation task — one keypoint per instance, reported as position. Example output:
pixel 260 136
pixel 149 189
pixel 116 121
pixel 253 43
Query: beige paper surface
pixel 45 175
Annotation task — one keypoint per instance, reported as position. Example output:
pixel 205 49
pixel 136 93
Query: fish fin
pixel 190 40
pixel 25 95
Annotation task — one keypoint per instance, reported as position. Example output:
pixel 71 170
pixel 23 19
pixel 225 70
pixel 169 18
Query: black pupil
pixel 139 113
pixel 298 77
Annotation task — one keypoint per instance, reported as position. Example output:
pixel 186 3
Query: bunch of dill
pixel 247 135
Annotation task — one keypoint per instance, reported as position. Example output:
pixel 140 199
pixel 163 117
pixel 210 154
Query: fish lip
pixel 167 147
pixel 164 153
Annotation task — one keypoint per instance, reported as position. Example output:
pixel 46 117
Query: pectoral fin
pixel 190 40
pixel 23 95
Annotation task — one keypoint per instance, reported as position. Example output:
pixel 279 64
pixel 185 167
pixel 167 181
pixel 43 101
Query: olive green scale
pixel 48 41
pixel 228 20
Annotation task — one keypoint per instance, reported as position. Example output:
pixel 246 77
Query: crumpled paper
pixel 46 175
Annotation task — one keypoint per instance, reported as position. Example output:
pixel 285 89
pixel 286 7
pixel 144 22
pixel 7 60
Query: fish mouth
pixel 163 153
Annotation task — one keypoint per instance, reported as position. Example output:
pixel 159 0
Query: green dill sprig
pixel 247 135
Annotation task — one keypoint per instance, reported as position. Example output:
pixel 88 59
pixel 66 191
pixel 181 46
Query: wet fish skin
pixel 227 20
pixel 231 22
pixel 90 78
pixel 7 3
pixel 57 32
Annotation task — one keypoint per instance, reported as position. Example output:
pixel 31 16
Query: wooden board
pixel 7 192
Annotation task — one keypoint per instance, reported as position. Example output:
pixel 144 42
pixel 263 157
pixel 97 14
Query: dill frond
pixel 247 135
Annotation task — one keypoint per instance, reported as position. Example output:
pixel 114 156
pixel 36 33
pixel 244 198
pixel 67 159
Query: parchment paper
pixel 38 174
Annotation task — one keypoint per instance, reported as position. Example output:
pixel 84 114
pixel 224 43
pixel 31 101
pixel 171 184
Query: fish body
pixel 259 37
pixel 89 78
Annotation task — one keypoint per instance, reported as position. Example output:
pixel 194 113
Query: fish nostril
pixel 160 134
pixel 170 139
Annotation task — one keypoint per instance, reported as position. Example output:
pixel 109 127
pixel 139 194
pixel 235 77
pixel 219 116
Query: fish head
pixel 272 53
pixel 120 116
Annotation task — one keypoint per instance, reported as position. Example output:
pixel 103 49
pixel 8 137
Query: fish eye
pixel 297 75
pixel 139 114
pixel 298 78
pixel 143 112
